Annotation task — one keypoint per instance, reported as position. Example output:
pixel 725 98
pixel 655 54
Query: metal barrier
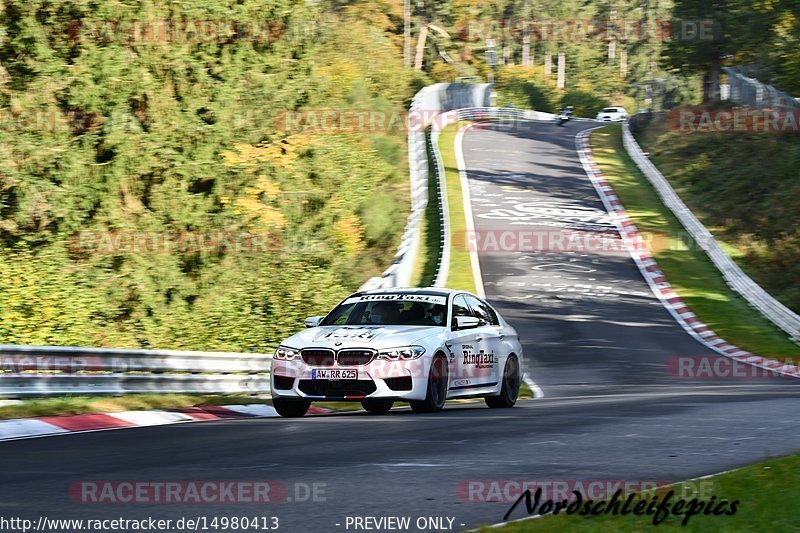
pixel 443 265
pixel 503 113
pixel 30 371
pixel 776 312
pixel 748 91
pixel 426 107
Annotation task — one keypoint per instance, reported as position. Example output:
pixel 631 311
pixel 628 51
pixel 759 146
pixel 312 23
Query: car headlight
pixel 285 353
pixel 402 353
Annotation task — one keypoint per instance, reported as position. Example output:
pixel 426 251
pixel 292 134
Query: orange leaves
pixel 349 234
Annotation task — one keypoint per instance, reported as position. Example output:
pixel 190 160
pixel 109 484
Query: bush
pixel 521 87
pixel 585 103
pixel 188 138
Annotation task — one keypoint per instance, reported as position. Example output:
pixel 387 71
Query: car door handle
pixel 479 339
pixel 502 336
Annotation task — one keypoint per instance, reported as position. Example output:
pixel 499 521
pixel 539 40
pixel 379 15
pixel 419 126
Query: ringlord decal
pixel 440 300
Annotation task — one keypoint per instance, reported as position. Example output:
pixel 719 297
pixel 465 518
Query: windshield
pixel 389 310
pixel 609 110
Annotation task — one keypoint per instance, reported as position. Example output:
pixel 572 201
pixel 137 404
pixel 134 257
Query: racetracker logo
pixel 474 368
pixel 48 120
pixel 155 32
pixel 136 242
pixel 646 30
pixel 515 240
pixel 606 240
pixel 719 367
pixel 738 120
pixel 334 121
pixel 28 364
pixel 194 492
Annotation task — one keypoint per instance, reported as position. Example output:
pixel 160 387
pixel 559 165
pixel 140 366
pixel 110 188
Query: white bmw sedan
pixel 421 346
pixel 612 114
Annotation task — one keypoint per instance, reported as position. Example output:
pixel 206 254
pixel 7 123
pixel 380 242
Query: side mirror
pixel 313 321
pixel 467 322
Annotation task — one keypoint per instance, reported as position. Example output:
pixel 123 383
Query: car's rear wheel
pixel 290 407
pixel 437 388
pixel 377 407
pixel 509 392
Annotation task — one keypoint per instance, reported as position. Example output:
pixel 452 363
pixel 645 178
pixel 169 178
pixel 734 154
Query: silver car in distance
pixel 421 346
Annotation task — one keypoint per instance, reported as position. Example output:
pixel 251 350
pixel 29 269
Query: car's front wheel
pixel 290 407
pixel 436 392
pixel 377 407
pixel 509 392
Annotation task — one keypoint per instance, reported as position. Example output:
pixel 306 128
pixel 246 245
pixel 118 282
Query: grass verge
pixel 764 491
pixel 78 405
pixel 689 270
pixel 744 188
pixel 460 274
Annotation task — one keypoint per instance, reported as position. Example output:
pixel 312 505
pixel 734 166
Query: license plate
pixel 334 374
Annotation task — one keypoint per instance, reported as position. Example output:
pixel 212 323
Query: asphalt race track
pixel 596 340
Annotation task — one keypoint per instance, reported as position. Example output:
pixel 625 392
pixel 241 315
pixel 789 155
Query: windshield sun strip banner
pixel 426 298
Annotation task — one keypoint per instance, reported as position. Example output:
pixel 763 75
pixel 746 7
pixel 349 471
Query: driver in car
pixel 385 313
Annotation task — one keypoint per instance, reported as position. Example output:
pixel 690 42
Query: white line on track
pixel 462 174
pixel 473 252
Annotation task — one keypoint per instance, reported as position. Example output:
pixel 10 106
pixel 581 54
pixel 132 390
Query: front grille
pixel 402 383
pixel 355 357
pixel 318 357
pixel 339 388
pixel 283 382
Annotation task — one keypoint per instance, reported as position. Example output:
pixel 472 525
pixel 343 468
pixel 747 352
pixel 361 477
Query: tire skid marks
pixel 504 200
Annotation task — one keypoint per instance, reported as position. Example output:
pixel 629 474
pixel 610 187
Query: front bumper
pixel 399 380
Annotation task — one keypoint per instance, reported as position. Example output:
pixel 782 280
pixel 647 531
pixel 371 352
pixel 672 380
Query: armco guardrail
pixel 31 371
pixel 748 91
pixel 779 314
pixel 443 265
pixel 502 113
pixel 425 108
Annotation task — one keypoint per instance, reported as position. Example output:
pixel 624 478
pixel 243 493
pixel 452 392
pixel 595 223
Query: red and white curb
pixel 655 277
pixel 25 428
